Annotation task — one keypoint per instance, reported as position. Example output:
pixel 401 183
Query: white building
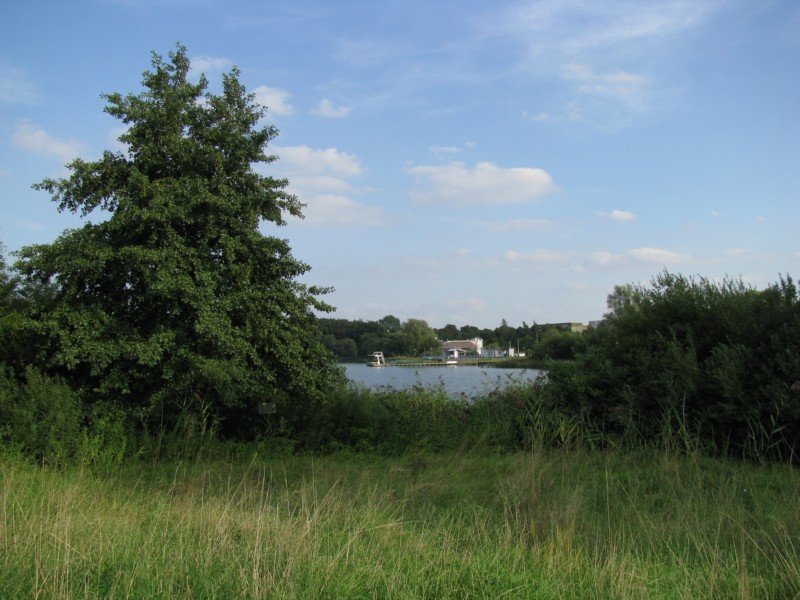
pixel 455 349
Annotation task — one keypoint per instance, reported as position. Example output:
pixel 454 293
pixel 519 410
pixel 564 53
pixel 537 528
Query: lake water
pixel 457 380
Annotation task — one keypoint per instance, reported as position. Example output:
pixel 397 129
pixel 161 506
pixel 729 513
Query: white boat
pixel 377 360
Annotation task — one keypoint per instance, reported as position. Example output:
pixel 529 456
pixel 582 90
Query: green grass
pixel 547 524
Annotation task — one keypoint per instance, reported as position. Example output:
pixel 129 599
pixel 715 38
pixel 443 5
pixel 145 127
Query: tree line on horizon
pixel 358 338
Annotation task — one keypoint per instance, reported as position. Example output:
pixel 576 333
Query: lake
pixel 457 380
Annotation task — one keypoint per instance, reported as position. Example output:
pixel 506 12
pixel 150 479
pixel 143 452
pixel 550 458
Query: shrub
pixel 41 416
pixel 721 359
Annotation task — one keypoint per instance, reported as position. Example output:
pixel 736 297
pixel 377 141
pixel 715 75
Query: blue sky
pixel 461 162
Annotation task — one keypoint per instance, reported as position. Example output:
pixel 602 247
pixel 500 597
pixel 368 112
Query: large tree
pixel 176 300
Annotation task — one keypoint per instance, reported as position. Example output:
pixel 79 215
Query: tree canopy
pixel 177 299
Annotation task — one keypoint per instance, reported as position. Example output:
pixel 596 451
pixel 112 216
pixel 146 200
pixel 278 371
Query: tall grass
pixel 542 524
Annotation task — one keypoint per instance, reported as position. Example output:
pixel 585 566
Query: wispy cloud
pixel 15 87
pixel 33 139
pixel 627 88
pixel 608 55
pixel 485 184
pixel 639 256
pixel 275 99
pixel 574 27
pixel 326 108
pixel 208 64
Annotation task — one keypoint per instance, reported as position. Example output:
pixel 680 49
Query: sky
pixel 461 162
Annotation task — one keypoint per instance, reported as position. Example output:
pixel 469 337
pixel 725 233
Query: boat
pixel 377 360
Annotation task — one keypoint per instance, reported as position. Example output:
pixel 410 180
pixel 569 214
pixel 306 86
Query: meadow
pixel 543 523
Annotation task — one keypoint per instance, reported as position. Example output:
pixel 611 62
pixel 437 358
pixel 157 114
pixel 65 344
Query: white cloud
pixel 331 209
pixel 715 213
pixel 317 161
pixel 15 87
pixel 761 219
pixel 326 108
pixel 275 99
pixel 208 64
pixel 322 179
pixel 37 140
pixel 486 183
pixel 619 215
pixel 639 256
pixel 5 174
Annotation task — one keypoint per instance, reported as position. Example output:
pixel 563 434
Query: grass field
pixel 546 524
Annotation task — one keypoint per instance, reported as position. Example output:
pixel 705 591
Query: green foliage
pixel 43 419
pixel 349 339
pixel 177 300
pixel 720 359
pixel 39 417
pixel 558 345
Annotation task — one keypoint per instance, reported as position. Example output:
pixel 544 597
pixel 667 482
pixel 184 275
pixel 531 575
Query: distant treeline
pixel 359 338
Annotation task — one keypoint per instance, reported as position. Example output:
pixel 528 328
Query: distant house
pixel 455 349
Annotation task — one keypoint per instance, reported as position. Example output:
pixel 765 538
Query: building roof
pixel 459 345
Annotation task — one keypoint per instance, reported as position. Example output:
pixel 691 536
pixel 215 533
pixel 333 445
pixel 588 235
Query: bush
pixel 41 417
pixel 717 361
